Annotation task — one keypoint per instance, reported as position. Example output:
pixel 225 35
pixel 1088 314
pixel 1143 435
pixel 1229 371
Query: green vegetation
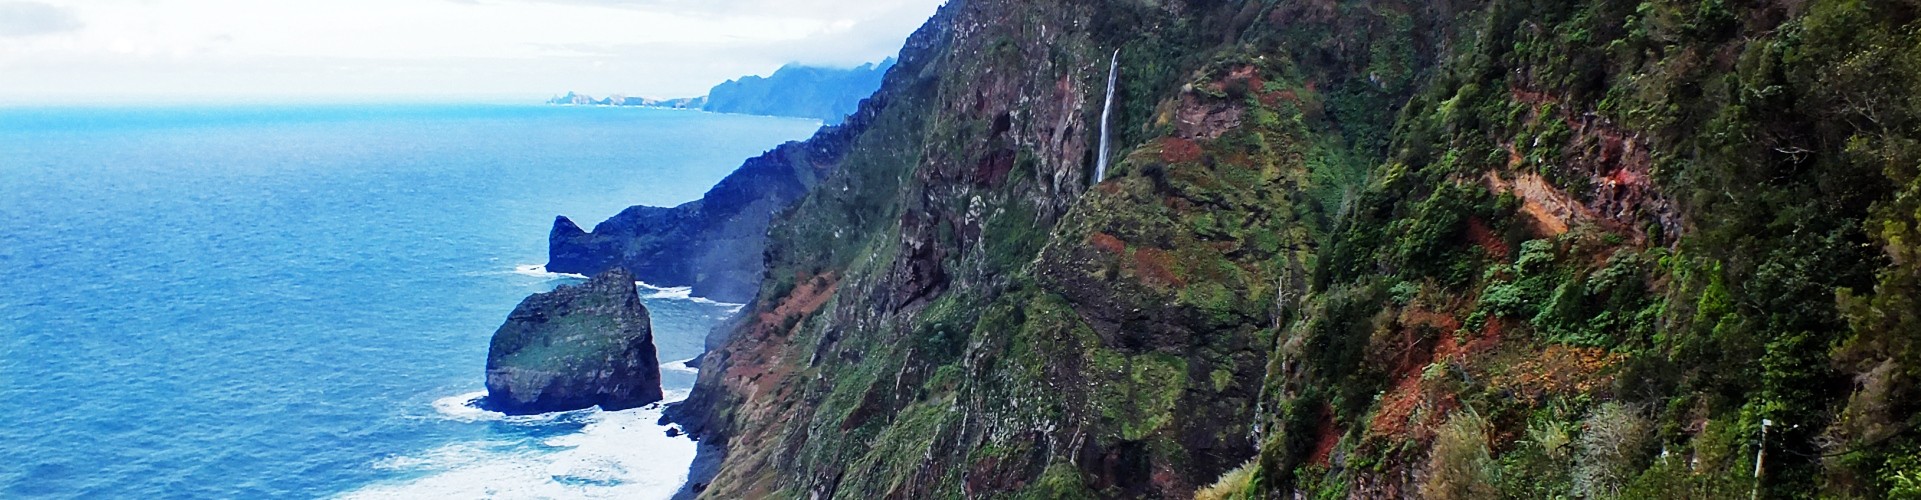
pixel 1514 248
pixel 1459 467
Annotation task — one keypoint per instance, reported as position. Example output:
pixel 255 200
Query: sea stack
pixel 576 347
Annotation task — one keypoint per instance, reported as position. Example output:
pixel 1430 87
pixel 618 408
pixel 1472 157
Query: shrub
pixel 1552 437
pixel 1460 465
pixel 1614 443
pixel 1902 476
pixel 1539 467
pixel 1237 483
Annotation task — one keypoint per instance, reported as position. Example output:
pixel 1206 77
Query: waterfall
pixel 1107 111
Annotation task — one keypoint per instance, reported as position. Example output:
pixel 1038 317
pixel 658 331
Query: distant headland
pixel 825 94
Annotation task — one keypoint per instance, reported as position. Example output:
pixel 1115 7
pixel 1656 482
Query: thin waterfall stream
pixel 1107 112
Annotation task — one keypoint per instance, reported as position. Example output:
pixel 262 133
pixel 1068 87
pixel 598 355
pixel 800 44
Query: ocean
pixel 296 301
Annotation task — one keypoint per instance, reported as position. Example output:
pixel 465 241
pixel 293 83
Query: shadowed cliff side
pixel 713 244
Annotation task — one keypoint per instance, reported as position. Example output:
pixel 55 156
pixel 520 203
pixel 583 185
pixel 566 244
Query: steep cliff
pixel 1363 248
pixel 953 313
pixel 714 244
pixel 576 347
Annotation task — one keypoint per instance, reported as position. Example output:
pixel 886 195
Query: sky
pixel 67 51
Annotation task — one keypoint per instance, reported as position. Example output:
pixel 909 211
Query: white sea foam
pixel 652 292
pixel 679 366
pixel 540 271
pixel 463 408
pixel 622 454
pixel 666 292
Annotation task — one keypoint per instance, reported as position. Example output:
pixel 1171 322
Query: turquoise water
pixel 296 301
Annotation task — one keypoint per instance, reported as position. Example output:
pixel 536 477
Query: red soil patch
pixel 757 366
pixel 1178 150
pixel 1452 348
pixel 1478 232
pixel 1415 316
pixel 1107 242
pixel 808 296
pixel 1273 99
pixel 1155 266
pixel 1404 395
pixel 1244 76
pixel 1407 396
pixel 1398 405
pixel 1327 437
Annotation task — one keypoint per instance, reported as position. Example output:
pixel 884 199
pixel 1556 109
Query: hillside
pixel 1368 248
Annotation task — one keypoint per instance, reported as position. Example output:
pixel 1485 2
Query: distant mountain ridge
pixel 825 94
pixel 573 99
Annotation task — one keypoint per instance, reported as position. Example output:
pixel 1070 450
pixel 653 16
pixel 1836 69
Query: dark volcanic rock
pixel 575 347
pixel 714 244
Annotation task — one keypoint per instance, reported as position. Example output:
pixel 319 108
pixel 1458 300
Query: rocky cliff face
pixel 576 347
pixel 714 244
pixel 928 330
pixel 1370 248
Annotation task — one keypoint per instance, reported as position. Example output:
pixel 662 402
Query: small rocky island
pixel 576 347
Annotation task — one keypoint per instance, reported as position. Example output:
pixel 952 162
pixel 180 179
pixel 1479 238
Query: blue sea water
pixel 295 301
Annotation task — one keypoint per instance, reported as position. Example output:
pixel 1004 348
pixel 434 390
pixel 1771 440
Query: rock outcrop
pixel 576 347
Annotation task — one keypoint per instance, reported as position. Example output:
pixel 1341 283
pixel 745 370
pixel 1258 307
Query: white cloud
pixel 507 49
pixel 20 19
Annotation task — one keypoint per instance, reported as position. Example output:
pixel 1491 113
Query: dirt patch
pixel 1398 406
pixel 1617 163
pixel 1107 242
pixel 1155 266
pixel 1482 236
pixel 1547 210
pixel 1198 118
pixel 1415 316
pixel 1176 150
pixel 1327 437
pixel 1407 398
pixel 808 296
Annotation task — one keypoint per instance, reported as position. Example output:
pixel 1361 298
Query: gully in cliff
pixel 576 347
